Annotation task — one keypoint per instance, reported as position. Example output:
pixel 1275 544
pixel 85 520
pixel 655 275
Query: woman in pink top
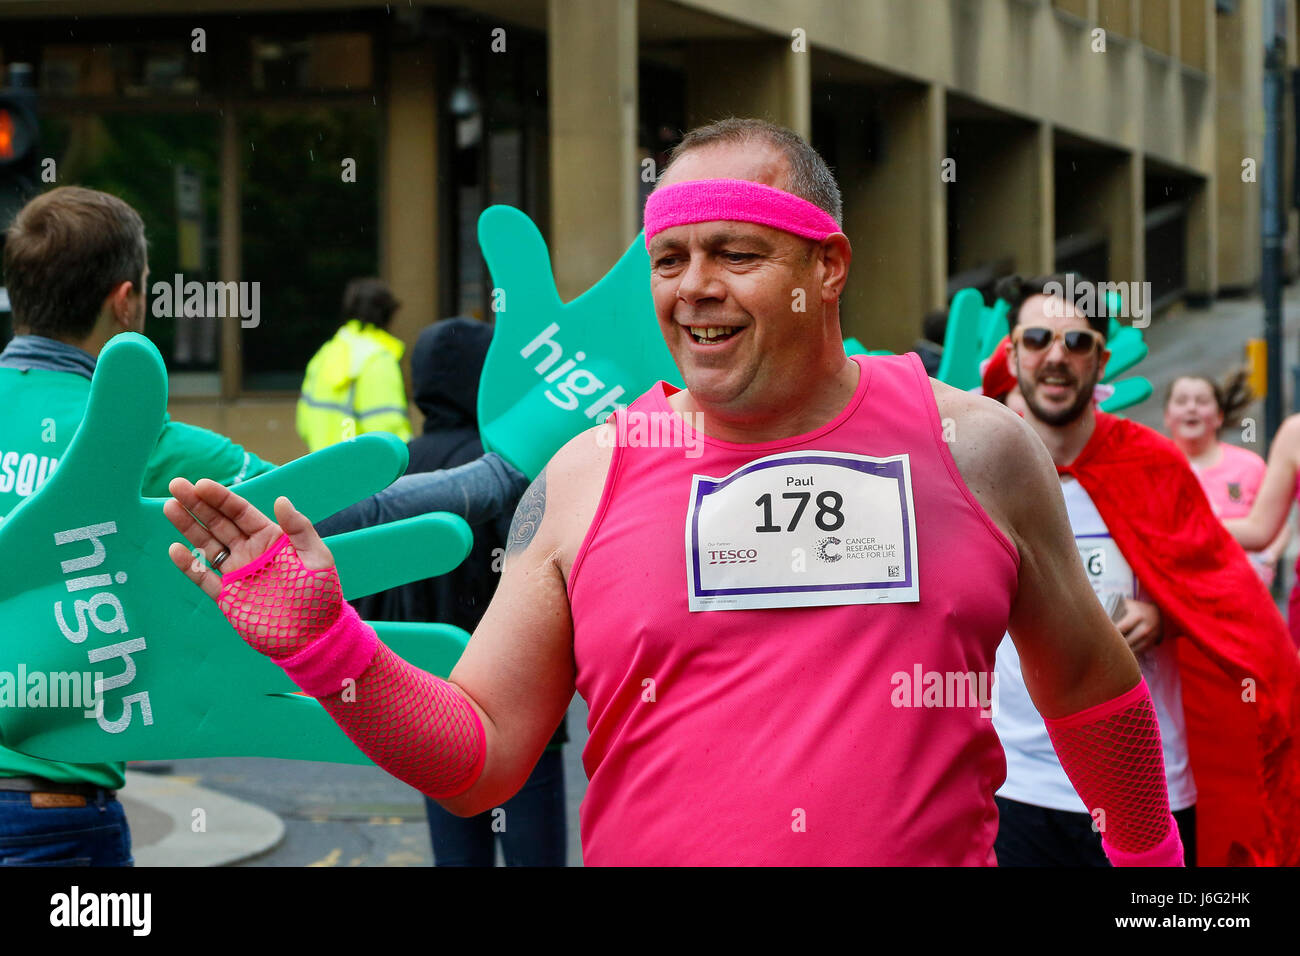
pixel 1197 409
pixel 1272 504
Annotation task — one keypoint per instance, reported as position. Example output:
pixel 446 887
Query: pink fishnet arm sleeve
pixel 1111 753
pixel 416 726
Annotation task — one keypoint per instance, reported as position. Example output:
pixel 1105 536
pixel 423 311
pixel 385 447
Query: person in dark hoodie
pixel 446 365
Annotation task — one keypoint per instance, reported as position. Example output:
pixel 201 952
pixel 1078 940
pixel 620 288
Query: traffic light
pixel 19 142
pixel 19 160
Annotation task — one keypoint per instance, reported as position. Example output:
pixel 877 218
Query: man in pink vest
pixel 783 619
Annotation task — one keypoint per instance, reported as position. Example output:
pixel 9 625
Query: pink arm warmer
pixel 1111 753
pixel 416 726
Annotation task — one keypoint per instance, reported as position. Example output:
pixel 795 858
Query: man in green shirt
pixel 76 264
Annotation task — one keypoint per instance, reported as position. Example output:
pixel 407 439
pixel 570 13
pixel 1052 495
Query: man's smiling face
pixel 724 292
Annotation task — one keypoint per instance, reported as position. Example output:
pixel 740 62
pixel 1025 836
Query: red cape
pixel 995 377
pixel 1240 671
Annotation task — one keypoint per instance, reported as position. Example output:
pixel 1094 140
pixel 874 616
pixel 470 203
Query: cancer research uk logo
pixel 831 549
pixel 825 550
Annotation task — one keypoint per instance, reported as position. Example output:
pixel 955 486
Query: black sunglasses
pixel 1036 338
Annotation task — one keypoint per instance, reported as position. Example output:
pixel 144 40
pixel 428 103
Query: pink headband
pixel 734 200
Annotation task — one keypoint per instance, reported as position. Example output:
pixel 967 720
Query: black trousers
pixel 1036 836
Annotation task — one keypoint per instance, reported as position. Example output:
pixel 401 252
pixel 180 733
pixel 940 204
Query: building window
pixel 318 62
pixel 131 108
pixel 306 229
pixel 494 125
pixel 129 70
pixel 166 166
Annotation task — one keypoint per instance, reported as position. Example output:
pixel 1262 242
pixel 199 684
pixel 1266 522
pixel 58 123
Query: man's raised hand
pixel 213 519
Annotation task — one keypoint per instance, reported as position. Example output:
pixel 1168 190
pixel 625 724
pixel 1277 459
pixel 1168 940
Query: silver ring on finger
pixel 216 562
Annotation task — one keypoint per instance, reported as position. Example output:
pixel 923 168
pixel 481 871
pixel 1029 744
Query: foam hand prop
pixel 960 363
pixel 554 368
pixel 994 326
pixel 86 585
pixel 1127 349
pixel 1130 391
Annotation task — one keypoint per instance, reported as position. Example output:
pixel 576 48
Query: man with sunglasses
pixel 1152 555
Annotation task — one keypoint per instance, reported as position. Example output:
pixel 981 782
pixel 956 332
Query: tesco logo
pixel 734 556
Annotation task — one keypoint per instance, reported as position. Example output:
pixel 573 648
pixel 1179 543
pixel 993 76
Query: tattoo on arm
pixel 528 516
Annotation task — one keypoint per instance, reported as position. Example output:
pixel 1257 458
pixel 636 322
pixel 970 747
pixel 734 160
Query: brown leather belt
pixel 41 785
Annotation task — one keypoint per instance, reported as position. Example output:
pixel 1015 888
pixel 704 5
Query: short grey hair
pixel 809 176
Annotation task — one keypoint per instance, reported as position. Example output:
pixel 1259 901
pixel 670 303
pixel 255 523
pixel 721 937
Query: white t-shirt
pixel 1034 774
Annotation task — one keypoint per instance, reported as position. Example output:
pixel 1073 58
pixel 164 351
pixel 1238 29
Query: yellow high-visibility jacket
pixel 354 385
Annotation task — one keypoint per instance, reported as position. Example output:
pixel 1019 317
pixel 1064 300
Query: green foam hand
pixel 556 368
pixel 853 347
pixel 86 586
pixel 1127 349
pixel 963 337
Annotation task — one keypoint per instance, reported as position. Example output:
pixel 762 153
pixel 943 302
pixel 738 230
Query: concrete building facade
pixel 971 138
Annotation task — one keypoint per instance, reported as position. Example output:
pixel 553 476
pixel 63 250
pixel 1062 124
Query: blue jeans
pixel 533 828
pixel 483 491
pixel 94 835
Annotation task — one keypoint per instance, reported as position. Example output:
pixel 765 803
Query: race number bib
pixel 1108 572
pixel 802 529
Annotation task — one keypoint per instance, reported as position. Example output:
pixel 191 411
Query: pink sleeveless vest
pixel 802 736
